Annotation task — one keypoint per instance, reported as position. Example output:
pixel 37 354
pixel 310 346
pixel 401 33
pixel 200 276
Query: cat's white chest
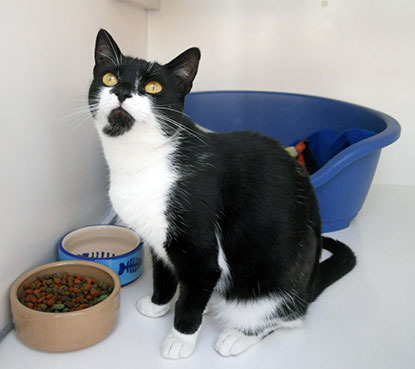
pixel 141 179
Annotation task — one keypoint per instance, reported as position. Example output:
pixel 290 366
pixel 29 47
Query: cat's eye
pixel 153 87
pixel 109 80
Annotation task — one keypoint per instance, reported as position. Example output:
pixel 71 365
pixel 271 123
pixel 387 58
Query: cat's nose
pixel 123 91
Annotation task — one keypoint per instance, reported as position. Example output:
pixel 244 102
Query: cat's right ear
pixel 184 68
pixel 106 50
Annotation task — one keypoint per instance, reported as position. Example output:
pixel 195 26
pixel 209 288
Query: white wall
pixel 354 50
pixel 53 175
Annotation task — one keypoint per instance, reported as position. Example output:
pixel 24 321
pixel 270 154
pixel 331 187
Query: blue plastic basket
pixel 343 182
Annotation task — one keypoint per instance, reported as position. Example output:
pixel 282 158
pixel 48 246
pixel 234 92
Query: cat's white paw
pixel 146 307
pixel 233 342
pixel 178 345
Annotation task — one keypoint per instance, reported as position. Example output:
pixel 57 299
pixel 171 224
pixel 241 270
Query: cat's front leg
pixel 195 291
pixel 164 288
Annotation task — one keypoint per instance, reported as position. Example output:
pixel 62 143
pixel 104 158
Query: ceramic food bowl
pixel 66 331
pixel 117 247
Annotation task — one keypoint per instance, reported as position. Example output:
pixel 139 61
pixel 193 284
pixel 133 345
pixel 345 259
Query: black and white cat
pixel 231 218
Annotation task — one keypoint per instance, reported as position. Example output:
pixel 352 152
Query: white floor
pixel 365 320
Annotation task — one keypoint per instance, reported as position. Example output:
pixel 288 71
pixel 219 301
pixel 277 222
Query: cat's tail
pixel 341 262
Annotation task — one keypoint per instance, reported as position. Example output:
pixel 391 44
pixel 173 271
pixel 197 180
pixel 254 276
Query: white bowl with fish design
pixel 117 247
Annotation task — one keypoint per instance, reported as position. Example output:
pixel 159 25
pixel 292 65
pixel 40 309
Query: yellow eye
pixel 109 80
pixel 153 87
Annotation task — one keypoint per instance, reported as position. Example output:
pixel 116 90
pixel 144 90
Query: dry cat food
pixel 60 294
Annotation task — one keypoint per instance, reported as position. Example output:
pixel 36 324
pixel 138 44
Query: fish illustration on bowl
pixel 131 266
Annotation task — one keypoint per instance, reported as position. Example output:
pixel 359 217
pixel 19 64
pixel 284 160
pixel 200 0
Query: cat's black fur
pixel 241 185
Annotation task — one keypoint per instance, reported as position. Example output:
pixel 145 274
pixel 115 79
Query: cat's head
pixel 127 92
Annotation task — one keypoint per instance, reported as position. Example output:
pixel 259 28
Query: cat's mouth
pixel 119 122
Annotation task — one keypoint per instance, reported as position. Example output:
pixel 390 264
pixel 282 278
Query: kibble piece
pixel 59 306
pixel 102 298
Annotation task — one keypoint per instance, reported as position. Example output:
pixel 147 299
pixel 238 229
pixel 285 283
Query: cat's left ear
pixel 106 50
pixel 184 67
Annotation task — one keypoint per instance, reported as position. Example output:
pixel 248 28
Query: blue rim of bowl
pixel 66 252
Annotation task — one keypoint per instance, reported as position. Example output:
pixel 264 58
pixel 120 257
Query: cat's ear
pixel 106 50
pixel 184 68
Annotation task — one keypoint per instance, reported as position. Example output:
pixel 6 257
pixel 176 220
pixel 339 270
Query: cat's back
pixel 251 153
pixel 259 175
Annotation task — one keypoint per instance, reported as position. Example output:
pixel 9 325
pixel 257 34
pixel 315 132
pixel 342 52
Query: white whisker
pixel 77 125
pixel 162 107
pixel 180 126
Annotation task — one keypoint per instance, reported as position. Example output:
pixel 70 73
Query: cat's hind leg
pixel 233 342
pixel 247 322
